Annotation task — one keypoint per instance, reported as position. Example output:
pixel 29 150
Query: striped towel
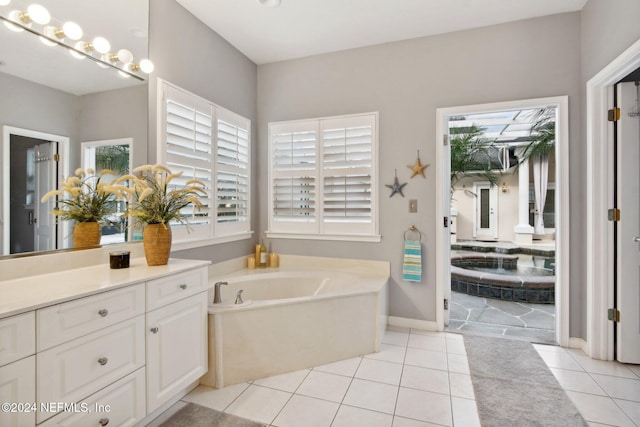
pixel 412 264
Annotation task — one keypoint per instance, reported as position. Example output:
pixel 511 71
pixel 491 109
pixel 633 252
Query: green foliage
pixel 470 154
pixel 542 136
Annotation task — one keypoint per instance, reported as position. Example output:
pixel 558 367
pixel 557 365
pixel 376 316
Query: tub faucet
pixel 217 298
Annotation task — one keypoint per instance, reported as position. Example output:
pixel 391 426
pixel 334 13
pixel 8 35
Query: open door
pixel 45 180
pixel 627 293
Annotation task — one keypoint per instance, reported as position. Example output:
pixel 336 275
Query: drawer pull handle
pixel 104 421
pixel 183 286
pixel 154 329
pixel 103 361
pixel 103 312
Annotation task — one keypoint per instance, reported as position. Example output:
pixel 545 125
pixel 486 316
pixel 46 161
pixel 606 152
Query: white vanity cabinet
pixel 176 335
pixel 18 370
pixel 99 346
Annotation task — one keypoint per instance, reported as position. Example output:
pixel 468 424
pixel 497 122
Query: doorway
pixel 604 337
pixel 32 165
pixel 485 224
pixel 503 157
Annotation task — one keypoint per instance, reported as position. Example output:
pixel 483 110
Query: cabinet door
pixel 18 386
pixel 176 348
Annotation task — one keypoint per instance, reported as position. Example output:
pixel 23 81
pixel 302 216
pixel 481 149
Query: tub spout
pixel 239 297
pixel 217 298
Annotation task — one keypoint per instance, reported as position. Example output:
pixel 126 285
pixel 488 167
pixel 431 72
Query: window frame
pixel 213 233
pixel 318 229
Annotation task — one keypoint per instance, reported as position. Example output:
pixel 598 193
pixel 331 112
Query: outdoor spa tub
pixel 500 277
pixel 306 313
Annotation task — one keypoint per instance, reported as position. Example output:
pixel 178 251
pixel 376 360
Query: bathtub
pixel 294 317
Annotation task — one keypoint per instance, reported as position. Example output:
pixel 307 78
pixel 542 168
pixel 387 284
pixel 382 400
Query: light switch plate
pixel 413 206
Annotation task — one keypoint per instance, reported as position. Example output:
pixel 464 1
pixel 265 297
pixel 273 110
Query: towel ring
pixel 412 228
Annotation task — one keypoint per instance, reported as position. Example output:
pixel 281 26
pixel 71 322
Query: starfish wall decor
pixel 418 168
pixel 396 188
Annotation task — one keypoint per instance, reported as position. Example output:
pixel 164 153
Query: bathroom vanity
pixel 95 346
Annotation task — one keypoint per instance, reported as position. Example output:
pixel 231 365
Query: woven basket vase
pixel 157 243
pixel 86 234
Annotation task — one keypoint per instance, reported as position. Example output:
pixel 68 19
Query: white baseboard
pixel 579 343
pixel 404 322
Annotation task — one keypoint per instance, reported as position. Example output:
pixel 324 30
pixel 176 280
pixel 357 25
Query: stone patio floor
pixel 485 316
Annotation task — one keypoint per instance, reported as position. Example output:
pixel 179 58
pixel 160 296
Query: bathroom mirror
pixel 44 90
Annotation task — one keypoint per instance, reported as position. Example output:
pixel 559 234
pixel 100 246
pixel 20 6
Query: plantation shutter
pixel 323 178
pixel 232 172
pixel 348 169
pixel 294 176
pixel 189 149
pixel 213 145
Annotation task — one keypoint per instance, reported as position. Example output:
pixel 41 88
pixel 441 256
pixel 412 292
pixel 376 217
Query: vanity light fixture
pixel 35 13
pixel 70 32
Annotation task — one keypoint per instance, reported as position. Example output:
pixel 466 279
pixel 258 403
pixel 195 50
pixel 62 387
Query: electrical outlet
pixel 413 206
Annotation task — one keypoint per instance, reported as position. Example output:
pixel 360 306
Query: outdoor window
pixel 212 144
pixel 323 178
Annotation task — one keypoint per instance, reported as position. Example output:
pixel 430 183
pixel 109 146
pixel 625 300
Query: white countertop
pixel 33 292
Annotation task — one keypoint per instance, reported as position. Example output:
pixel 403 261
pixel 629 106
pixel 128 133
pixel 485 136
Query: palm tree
pixel 542 136
pixel 471 154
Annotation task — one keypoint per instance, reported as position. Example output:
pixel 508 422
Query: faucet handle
pixel 239 297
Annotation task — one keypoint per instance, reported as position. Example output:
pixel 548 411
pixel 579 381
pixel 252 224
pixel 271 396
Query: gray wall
pixel 189 54
pixel 608 29
pixel 36 107
pixel 120 113
pixel 406 81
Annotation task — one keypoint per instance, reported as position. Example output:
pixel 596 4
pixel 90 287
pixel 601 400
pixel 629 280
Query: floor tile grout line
pixel 353 377
pixel 290 397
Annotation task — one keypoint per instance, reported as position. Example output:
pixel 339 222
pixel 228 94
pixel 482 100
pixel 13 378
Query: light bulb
pixel 123 74
pixel 38 14
pixel 146 66
pixel 125 56
pixel 14 15
pixel 78 46
pixel 4 2
pixel 72 30
pixel 269 3
pixel 101 45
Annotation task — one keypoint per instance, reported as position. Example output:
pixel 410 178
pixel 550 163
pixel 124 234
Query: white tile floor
pixel 418 379
pixel 605 393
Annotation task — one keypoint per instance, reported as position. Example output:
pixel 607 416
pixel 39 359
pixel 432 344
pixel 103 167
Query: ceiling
pixel 299 28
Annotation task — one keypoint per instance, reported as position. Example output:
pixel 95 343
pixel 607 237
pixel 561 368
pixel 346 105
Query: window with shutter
pixel 212 144
pixel 323 177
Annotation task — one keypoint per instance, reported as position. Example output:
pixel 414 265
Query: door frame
pixel 600 240
pixel 493 204
pixel 5 152
pixel 443 270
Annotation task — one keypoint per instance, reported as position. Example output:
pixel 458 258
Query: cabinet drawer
pixel 17 337
pixel 121 404
pixel 78 368
pixel 18 386
pixel 169 289
pixel 64 322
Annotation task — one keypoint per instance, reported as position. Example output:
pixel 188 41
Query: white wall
pixel 406 81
